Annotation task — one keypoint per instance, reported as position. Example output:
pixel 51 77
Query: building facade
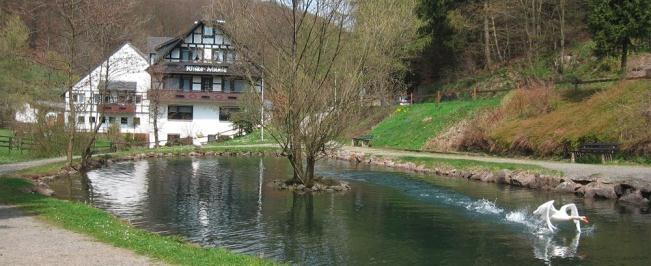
pixel 199 81
pixel 114 93
pixel 194 80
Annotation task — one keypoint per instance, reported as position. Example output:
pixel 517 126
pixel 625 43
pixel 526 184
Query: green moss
pixel 409 127
pixel 81 218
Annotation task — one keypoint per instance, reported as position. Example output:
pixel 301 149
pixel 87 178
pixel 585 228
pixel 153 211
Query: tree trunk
pixel 497 44
pixel 562 28
pixel 297 161
pixel 155 122
pixel 72 125
pixel 487 49
pixel 156 139
pixel 309 170
pixel 624 56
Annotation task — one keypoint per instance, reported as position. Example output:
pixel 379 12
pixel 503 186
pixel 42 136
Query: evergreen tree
pixel 615 23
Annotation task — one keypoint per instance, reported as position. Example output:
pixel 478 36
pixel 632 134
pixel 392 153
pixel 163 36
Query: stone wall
pixel 633 192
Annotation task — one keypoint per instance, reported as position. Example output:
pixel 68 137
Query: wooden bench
pixel 363 141
pixel 607 150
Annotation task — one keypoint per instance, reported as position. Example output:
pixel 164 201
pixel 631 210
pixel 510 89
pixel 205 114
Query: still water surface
pixel 388 218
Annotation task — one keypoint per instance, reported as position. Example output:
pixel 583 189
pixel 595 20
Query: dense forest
pixel 466 37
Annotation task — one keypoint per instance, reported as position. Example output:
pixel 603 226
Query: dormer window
pixel 208 35
pixel 208 32
pixel 218 55
pixel 186 54
pixel 197 54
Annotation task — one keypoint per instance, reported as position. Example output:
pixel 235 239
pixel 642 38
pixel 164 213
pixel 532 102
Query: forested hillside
pixel 554 67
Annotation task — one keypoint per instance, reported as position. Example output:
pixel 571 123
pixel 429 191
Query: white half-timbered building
pixel 198 84
pixel 201 84
pixel 115 92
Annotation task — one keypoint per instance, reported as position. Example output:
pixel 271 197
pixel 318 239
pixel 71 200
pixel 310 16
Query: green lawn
pixel 81 218
pixel 461 164
pixel 7 156
pixel 252 138
pixel 409 127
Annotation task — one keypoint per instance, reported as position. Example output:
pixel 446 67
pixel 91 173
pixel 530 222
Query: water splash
pixel 484 206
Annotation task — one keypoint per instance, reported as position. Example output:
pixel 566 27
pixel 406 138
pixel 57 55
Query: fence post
pixel 10 143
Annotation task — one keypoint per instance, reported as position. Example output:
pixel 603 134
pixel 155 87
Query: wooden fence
pixel 14 144
pixel 440 96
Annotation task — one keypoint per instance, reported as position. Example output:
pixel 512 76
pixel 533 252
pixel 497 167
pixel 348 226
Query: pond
pixel 388 217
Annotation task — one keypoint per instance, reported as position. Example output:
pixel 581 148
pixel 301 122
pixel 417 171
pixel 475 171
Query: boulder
pixel 547 182
pixel 599 190
pixel 568 186
pixel 476 176
pixel 634 197
pixel 623 189
pixel 524 179
pixel 489 177
pixel 584 180
pixel 502 176
pixel 43 190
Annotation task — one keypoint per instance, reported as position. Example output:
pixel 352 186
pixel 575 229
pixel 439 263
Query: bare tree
pixel 154 94
pixel 75 26
pixel 110 29
pixel 308 52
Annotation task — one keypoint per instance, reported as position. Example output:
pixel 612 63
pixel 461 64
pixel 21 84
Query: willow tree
pixel 322 61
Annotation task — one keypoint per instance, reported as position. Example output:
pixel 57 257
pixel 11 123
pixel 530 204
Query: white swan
pixel 550 214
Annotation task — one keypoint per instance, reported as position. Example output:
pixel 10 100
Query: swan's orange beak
pixel 585 219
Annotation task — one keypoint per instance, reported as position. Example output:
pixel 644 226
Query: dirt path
pixel 26 241
pixel 610 172
pixel 12 167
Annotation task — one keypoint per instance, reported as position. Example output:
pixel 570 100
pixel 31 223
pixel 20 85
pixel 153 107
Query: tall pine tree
pixel 614 24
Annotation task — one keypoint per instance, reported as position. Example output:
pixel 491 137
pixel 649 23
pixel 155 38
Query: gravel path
pixel 12 167
pixel 610 172
pixel 27 241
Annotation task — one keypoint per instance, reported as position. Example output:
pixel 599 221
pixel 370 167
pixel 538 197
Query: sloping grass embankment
pixel 620 114
pixel 409 127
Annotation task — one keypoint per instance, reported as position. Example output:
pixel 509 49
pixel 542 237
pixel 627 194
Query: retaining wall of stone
pixel 633 192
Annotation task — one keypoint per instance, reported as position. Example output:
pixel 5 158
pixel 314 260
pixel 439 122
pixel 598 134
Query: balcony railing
pixel 117 108
pixel 172 95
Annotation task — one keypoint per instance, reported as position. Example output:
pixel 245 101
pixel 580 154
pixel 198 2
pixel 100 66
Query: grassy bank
pixel 81 218
pixel 190 148
pixel 619 114
pixel 467 165
pixel 254 137
pixel 409 127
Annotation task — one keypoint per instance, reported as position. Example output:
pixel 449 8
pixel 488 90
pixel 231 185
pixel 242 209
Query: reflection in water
pixel 387 218
pixel 549 246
